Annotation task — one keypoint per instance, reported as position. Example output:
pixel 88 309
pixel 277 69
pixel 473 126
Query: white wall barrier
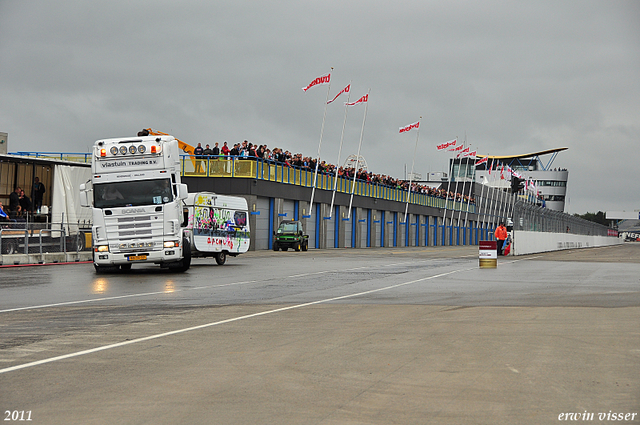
pixel 525 242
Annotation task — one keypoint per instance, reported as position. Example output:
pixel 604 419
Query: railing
pixel 256 168
pixel 43 238
pixel 534 218
pixel 63 156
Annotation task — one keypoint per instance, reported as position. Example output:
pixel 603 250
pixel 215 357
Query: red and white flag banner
pixel 410 126
pixel 463 153
pixel 457 149
pixel 363 99
pixel 447 145
pixel 325 79
pixel 344 90
pixel 470 154
pixel 482 161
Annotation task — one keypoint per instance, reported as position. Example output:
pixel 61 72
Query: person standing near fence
pixel 501 235
pixel 37 193
pixel 14 201
pixel 199 152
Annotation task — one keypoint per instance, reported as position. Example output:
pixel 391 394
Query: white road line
pixel 207 325
pixel 147 294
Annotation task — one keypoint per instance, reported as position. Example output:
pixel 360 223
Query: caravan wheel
pixel 221 258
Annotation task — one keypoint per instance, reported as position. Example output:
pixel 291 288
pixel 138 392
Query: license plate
pixel 137 257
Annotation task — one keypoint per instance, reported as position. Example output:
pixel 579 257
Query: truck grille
pixel 138 227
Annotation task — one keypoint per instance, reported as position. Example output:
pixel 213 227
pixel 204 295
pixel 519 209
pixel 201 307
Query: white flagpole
pixel 496 210
pixel 453 211
pixel 489 166
pixel 473 178
pixel 355 173
pixel 494 197
pixel 315 175
pixel 415 150
pixel 466 166
pixel 500 211
pixel 335 180
pixel 446 200
pixel 505 199
pixel 481 199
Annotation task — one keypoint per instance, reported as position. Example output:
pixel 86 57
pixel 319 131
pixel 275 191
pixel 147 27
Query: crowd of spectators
pixel 248 150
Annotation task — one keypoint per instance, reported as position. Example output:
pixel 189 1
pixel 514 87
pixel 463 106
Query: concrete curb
pixel 45 259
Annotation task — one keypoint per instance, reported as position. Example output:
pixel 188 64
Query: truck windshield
pixel 133 193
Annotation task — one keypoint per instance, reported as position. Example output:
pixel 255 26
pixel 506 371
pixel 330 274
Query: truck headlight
pixel 102 248
pixel 171 244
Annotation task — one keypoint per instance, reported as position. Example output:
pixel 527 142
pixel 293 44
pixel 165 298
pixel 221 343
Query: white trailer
pixel 218 225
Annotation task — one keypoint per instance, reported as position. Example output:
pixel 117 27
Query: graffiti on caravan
pixel 129 163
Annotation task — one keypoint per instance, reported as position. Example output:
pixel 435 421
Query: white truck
pixel 142 213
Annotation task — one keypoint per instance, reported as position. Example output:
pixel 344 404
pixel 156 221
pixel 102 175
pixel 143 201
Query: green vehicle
pixel 290 235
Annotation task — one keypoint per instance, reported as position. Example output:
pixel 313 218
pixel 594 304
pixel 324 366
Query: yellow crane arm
pixel 186 148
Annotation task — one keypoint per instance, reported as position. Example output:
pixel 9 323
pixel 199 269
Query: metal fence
pixel 497 205
pixel 44 238
pixel 534 218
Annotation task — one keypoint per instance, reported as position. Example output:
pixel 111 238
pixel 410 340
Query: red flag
pixel 344 90
pixel 463 153
pixel 325 79
pixel 410 126
pixel 472 154
pixel 447 145
pixel 363 99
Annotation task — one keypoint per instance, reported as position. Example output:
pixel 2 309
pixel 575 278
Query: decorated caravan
pixel 218 225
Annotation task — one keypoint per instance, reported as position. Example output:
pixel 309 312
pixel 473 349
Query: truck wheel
pixel 297 246
pixel 184 264
pixel 221 258
pixel 10 247
pixel 79 242
pixel 275 247
pixel 305 246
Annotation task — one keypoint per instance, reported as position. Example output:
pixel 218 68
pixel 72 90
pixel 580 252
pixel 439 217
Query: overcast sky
pixel 514 77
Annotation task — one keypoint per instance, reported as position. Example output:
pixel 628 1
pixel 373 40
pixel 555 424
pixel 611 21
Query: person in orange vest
pixel 501 236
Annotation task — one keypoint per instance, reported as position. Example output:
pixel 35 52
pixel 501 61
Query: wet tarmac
pixel 407 335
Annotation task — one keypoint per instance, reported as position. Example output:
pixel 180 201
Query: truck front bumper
pixel 167 255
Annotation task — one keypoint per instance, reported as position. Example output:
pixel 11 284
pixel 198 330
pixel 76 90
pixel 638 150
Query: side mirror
pixel 84 198
pixel 183 191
